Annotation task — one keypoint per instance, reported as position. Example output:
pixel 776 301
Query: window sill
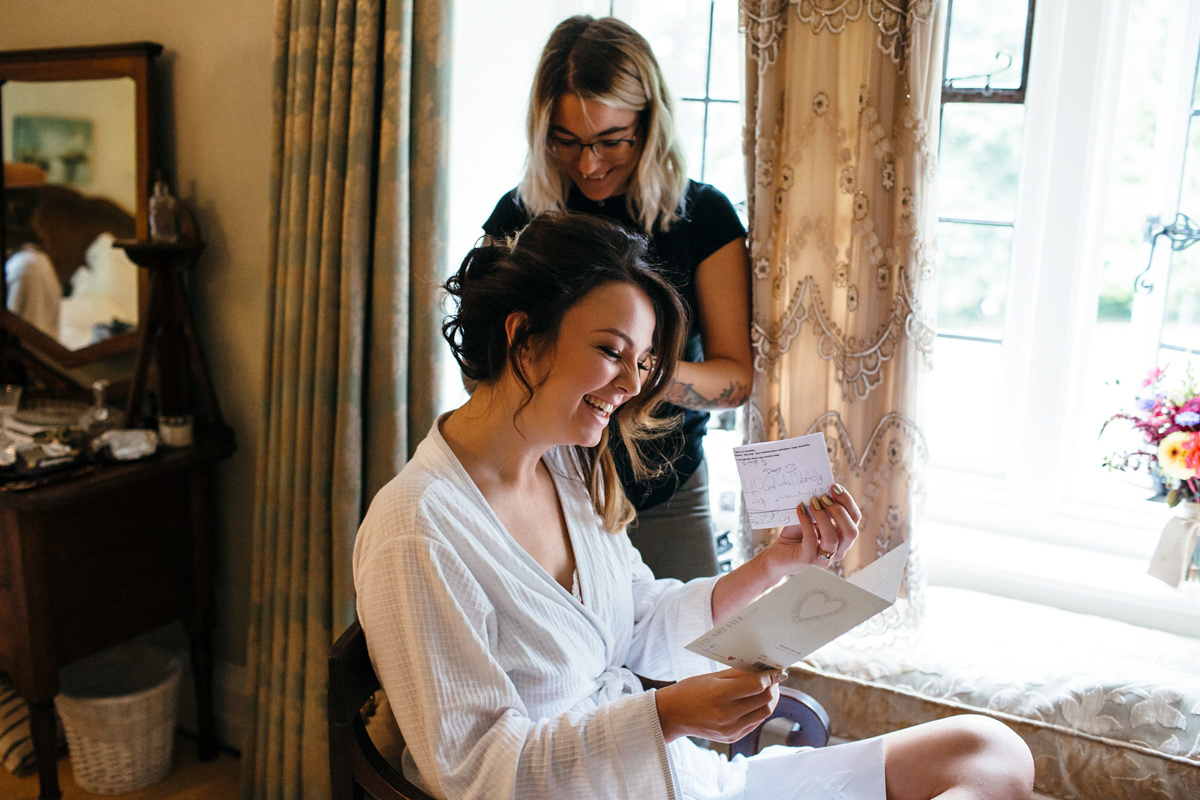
pixel 1077 688
pixel 1115 517
pixel 1089 582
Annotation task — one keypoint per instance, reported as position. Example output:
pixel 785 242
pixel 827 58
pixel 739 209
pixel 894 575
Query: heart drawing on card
pixel 816 605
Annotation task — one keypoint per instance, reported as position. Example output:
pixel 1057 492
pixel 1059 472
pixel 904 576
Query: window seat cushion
pixel 1110 710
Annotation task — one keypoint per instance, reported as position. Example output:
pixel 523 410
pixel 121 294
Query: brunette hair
pixel 552 264
pixel 607 61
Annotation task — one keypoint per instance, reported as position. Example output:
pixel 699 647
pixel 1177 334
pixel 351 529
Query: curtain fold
pixel 842 111
pixel 346 391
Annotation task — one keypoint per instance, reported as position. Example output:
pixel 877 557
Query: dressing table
pixel 100 553
pixel 93 559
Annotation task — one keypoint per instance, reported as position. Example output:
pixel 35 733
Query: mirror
pixel 76 129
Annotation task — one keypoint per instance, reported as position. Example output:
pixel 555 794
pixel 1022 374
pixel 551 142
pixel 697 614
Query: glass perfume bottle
pixel 96 419
pixel 164 222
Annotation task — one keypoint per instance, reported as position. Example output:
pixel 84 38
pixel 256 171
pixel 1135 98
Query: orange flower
pixel 1179 454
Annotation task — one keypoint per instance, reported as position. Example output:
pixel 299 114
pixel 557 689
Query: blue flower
pixel 1146 403
pixel 1187 419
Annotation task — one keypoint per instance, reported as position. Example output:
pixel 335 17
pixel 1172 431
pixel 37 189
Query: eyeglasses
pixel 606 149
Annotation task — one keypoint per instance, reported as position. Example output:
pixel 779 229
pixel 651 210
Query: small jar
pixel 175 431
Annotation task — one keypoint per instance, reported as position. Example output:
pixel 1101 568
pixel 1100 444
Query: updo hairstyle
pixel 553 263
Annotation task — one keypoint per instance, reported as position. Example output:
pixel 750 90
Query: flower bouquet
pixel 1169 419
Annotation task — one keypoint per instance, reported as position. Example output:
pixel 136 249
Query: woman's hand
pixel 721 707
pixel 828 527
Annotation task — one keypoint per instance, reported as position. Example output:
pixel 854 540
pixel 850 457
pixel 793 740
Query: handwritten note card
pixel 778 476
pixel 808 610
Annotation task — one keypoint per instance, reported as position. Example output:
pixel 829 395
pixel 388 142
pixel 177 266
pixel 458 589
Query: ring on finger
pixel 826 555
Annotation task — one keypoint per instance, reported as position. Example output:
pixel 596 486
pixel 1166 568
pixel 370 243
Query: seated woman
pixel 506 611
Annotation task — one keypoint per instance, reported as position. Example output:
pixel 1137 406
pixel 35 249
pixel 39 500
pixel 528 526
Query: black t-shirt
pixel 706 223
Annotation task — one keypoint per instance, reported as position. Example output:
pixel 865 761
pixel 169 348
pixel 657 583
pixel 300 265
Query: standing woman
pixel 602 141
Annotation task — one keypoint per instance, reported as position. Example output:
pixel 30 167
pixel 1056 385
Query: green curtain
pixel 358 191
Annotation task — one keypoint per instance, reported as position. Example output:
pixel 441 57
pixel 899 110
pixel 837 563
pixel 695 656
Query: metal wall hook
pixel 1183 232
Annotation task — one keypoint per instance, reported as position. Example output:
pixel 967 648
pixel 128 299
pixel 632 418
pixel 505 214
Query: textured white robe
pixel 34 291
pixel 503 684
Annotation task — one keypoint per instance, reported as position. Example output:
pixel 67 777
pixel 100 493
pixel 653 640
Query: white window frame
pixel 1028 533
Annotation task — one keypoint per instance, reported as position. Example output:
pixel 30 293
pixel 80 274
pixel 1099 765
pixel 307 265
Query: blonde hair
pixel 607 61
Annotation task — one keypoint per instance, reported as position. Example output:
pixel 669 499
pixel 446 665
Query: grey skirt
pixel 675 538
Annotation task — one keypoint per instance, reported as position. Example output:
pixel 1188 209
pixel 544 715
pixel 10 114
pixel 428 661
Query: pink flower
pixel 1169 420
pixel 1154 376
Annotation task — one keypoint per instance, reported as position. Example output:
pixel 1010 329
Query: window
pixel 1043 206
pixel 985 73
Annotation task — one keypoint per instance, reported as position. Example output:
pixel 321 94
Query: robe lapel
pixel 591 568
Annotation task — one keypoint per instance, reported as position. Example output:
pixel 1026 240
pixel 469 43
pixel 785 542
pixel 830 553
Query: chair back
pixel 808 718
pixel 355 763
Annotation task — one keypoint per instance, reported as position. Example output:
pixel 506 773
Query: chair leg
pixel 341 775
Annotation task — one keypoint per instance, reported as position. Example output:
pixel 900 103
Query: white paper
pixel 808 610
pixel 852 769
pixel 778 476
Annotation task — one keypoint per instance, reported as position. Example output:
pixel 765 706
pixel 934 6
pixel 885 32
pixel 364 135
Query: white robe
pixel 503 684
pixel 34 291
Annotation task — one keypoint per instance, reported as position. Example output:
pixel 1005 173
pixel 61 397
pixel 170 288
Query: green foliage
pixel 1115 306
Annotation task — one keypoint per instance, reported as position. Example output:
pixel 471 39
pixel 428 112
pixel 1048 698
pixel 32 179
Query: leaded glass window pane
pixel 725 166
pixel 678 35
pixel 986 36
pixel 727 78
pixel 973 267
pixel 979 161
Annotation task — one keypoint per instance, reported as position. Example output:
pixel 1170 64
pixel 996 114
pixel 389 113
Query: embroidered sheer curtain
pixel 358 242
pixel 842 106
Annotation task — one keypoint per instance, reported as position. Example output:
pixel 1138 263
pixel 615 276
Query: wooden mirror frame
pixel 131 60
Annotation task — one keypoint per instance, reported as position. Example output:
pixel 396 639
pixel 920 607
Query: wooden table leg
pixel 202 670
pixel 199 619
pixel 45 747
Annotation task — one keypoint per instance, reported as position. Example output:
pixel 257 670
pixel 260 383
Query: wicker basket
pixel 118 710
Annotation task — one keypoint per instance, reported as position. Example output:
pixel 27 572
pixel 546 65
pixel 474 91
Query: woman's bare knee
pixel 967 756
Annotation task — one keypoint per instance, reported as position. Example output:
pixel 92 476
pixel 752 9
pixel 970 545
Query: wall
pixel 215 125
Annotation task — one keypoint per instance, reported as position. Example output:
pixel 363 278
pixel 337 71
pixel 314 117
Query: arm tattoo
pixel 685 394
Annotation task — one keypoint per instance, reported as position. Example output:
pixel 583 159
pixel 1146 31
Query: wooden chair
pixel 355 763
pixel 357 766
